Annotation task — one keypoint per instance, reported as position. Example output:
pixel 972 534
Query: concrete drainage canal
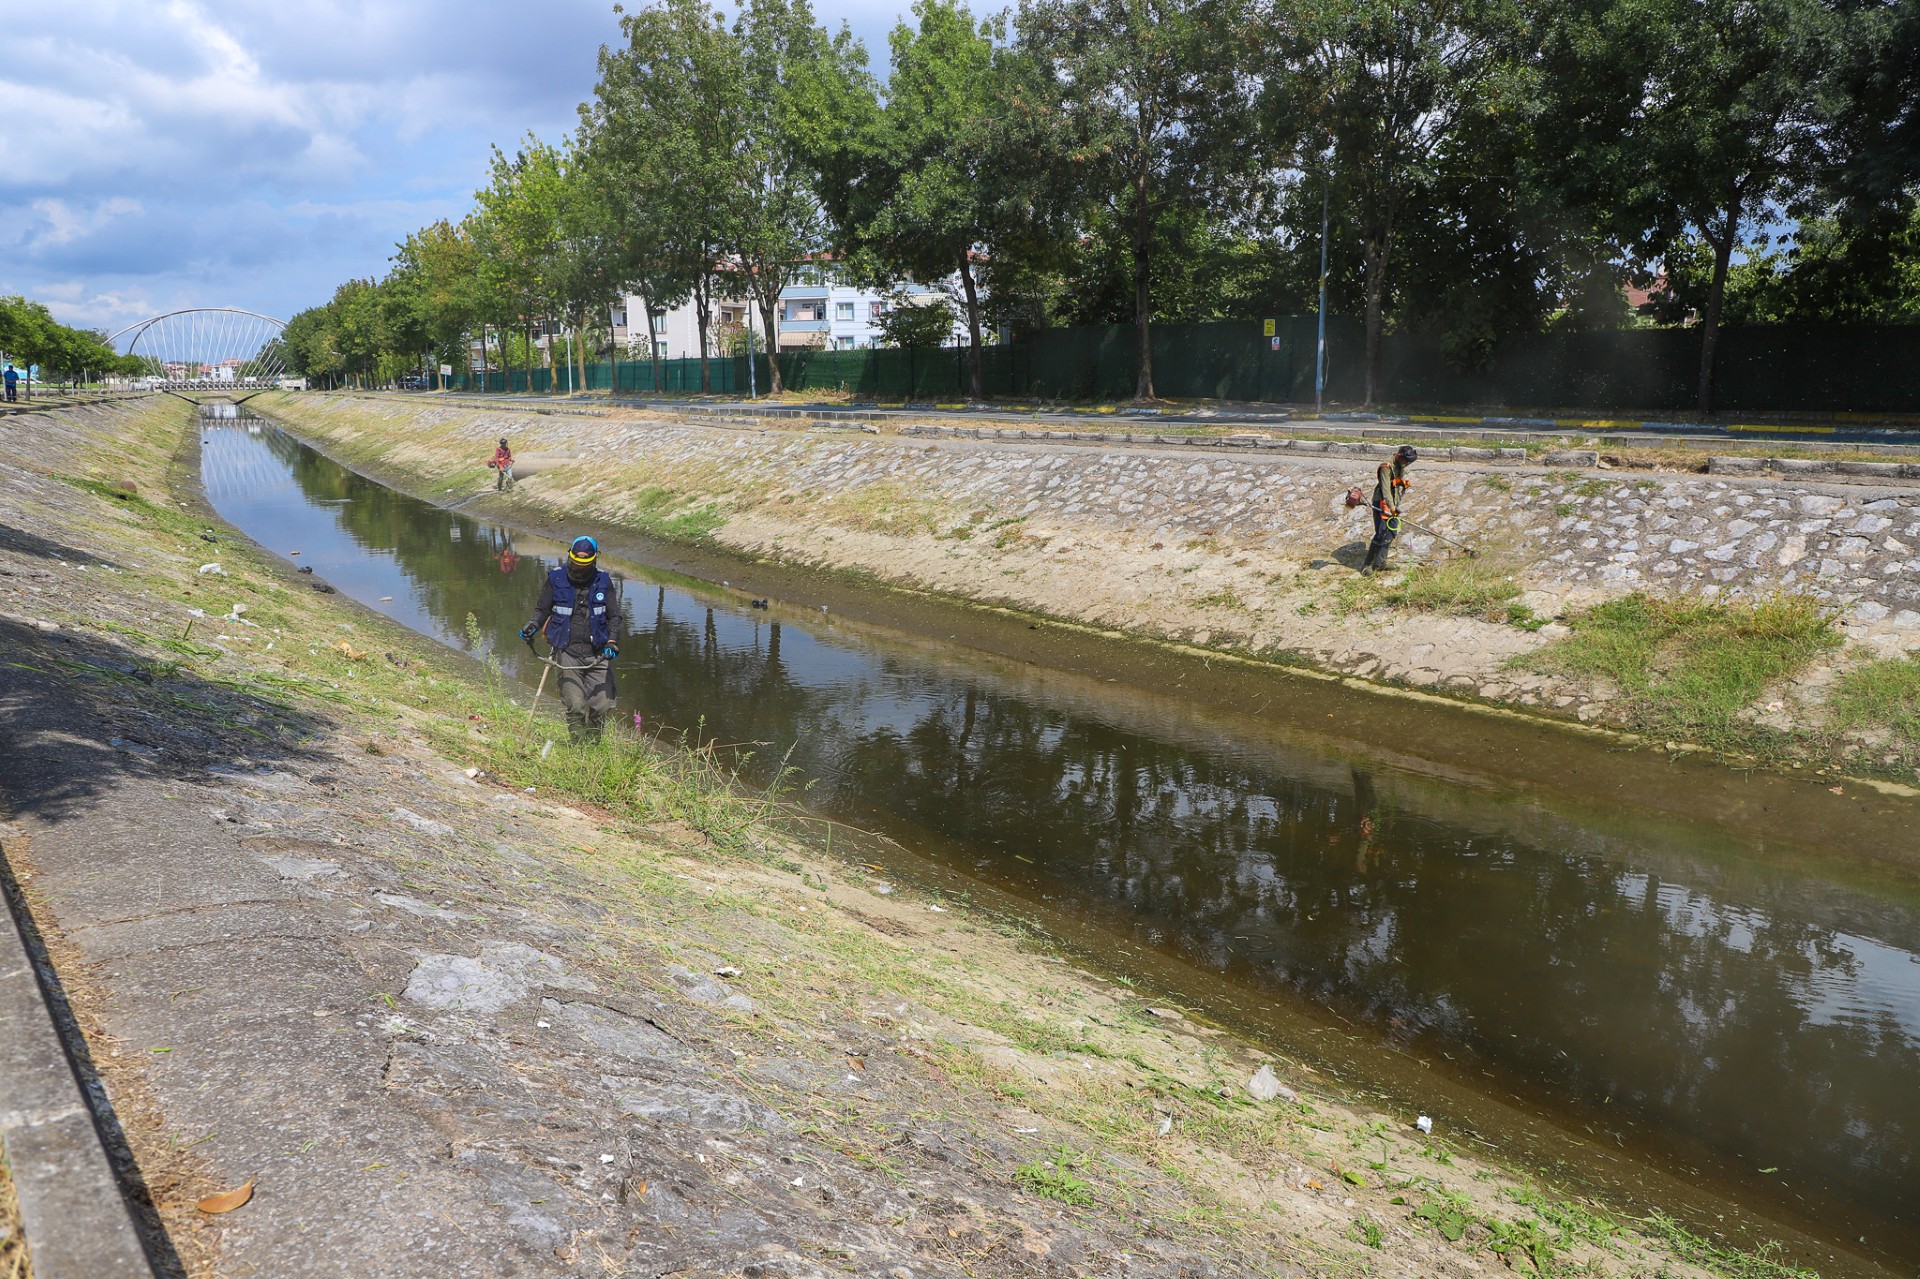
pixel 1672 984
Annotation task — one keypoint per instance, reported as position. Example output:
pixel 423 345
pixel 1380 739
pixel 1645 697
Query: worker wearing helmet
pixel 1390 487
pixel 579 612
pixel 503 463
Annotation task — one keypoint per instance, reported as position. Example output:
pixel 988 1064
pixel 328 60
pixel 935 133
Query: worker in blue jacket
pixel 579 611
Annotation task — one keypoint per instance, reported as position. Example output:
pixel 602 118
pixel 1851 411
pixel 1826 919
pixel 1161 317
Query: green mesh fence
pixel 1785 368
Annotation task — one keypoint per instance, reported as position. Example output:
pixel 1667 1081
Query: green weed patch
pixel 666 515
pixel 1883 694
pixel 1684 666
pixel 1477 587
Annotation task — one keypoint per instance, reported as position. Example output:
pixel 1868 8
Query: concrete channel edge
pixel 73 1211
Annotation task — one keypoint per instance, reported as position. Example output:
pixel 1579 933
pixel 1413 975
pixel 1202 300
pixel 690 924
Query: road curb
pixel 73 1212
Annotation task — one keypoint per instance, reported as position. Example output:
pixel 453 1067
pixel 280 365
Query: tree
pixel 1687 118
pixel 650 252
pixel 665 114
pixel 927 184
pixel 1154 110
pixel 522 221
pixel 442 265
pixel 916 324
pixel 1393 77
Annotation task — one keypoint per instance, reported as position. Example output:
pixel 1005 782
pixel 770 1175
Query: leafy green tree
pixel 778 225
pixel 313 349
pixel 441 266
pixel 665 116
pixel 1687 118
pixel 936 180
pixel 916 323
pixel 1152 110
pixel 1393 78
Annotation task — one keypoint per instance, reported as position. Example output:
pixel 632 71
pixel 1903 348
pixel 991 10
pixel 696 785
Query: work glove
pixel 610 652
pixel 528 631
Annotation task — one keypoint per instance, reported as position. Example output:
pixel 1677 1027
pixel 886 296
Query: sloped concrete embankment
pixel 1244 548
pixel 447 1025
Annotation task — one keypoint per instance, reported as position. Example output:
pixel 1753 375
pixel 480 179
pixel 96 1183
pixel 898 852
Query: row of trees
pixel 31 338
pixel 1482 167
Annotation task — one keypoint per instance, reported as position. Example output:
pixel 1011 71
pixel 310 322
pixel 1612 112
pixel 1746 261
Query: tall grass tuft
pixel 645 780
pixel 1883 695
pixel 1686 666
pixel 1459 587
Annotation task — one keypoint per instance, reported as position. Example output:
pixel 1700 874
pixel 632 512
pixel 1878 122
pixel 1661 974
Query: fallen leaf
pixel 858 1063
pixel 1836 790
pixel 227 1200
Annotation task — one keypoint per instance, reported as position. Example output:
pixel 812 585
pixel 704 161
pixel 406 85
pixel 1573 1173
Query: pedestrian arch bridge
pixel 211 352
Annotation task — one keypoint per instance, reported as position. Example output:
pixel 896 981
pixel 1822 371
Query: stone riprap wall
pixel 1242 544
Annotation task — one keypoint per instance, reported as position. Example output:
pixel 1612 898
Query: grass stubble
pixel 686 867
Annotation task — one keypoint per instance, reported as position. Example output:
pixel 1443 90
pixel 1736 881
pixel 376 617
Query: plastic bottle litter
pixel 547 749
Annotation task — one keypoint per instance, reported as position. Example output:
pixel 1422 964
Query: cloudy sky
pixel 253 153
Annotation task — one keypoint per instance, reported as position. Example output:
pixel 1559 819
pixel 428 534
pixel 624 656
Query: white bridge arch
pixel 218 348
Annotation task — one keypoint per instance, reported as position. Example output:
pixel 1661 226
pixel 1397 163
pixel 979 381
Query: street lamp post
pixel 1320 354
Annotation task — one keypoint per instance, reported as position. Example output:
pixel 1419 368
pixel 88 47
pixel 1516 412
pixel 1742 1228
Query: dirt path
pixel 449 1025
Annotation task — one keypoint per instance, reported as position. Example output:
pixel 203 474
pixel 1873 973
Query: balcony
pixel 803 326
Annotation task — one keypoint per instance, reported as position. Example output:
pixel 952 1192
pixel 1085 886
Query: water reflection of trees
pixel 1707 1003
pixel 1614 988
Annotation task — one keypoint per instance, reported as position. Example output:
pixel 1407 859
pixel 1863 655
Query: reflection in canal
pixel 1651 979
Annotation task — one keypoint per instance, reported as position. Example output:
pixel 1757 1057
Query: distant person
pixel 1390 487
pixel 580 614
pixel 13 384
pixel 503 463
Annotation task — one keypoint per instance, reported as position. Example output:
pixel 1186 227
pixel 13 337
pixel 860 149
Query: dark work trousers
pixel 587 694
pixel 1383 533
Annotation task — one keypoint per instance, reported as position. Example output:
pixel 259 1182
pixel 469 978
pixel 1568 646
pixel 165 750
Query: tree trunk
pixel 1142 290
pixel 702 297
pixel 976 385
pixel 529 357
pixel 653 344
pixel 1376 266
pixel 1710 322
pixel 767 312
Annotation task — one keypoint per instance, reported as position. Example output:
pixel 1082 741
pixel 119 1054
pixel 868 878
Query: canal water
pixel 1727 1008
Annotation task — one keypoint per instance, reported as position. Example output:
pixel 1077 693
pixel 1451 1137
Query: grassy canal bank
pixel 1763 619
pixel 602 1010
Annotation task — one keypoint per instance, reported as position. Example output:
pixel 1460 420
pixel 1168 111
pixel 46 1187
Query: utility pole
pixel 753 381
pixel 1320 354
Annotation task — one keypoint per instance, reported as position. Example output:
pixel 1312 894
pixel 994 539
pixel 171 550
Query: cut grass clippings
pixel 1461 587
pixel 14 1263
pixel 1682 666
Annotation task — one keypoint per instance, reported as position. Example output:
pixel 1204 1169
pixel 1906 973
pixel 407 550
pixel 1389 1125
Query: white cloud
pixel 233 152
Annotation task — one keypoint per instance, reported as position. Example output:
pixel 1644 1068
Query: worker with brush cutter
pixel 1389 491
pixel 579 611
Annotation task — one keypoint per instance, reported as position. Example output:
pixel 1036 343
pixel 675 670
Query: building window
pixel 659 324
pixel 876 309
pixel 843 310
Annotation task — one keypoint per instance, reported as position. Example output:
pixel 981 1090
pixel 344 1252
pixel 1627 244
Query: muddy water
pixel 1722 1007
